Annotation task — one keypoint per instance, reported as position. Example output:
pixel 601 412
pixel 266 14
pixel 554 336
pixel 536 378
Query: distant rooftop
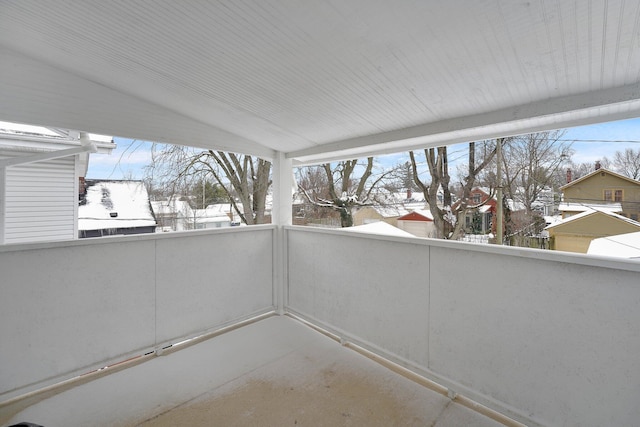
pixel 115 204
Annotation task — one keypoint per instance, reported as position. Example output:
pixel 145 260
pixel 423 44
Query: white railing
pixel 548 338
pixel 70 307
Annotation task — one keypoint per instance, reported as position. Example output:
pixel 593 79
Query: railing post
pixel 281 216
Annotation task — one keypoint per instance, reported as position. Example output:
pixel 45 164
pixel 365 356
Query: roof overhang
pixel 318 81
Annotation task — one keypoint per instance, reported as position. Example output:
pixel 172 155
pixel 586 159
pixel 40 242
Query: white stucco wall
pixel 69 307
pixel 549 339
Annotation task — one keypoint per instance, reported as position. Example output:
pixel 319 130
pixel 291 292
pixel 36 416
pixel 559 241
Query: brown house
pixel 575 233
pixel 369 214
pixel 602 188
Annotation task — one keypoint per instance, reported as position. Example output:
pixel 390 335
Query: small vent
pixel 113 214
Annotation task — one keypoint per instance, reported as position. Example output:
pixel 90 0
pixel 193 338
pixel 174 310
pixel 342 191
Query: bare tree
pixel 244 179
pixel 449 219
pixel 531 163
pixel 344 191
pixel 627 162
pixel 578 170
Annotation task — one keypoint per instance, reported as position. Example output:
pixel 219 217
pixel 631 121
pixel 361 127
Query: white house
pixel 418 222
pixel 172 215
pixel 39 172
pixel 177 215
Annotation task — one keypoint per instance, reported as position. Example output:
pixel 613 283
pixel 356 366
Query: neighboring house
pixel 174 214
pixel 544 204
pixel 393 206
pixel 621 246
pixel 215 216
pixel 370 214
pixel 569 209
pixel 40 170
pixel 177 215
pixel 575 233
pixel 110 208
pixel 602 189
pixel 478 219
pixel 418 223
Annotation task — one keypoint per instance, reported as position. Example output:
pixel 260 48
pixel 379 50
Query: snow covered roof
pixel 552 219
pixel 379 227
pixel 391 211
pixel 592 211
pixel 174 206
pixel 115 204
pixel 581 207
pixel 622 245
pixel 213 213
pixel 218 209
pixel 515 205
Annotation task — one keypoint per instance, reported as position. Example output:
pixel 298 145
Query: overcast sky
pixel 130 157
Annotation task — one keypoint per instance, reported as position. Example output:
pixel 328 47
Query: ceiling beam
pixel 562 112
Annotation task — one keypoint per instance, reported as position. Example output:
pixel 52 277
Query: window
pixel 618 195
pixel 612 195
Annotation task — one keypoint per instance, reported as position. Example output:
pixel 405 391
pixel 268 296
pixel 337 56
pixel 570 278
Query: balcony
pixel 120 330
pixel 314 326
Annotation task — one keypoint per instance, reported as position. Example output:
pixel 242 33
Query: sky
pixel 592 142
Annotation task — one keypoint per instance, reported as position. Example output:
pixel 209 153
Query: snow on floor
pixel 273 372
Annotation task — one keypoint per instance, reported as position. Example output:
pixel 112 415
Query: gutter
pixel 21 160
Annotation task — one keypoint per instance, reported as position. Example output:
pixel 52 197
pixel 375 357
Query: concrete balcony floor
pixel 274 372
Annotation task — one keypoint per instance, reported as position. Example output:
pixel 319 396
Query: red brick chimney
pixel 597 164
pixel 409 194
pixel 81 185
pixel 568 175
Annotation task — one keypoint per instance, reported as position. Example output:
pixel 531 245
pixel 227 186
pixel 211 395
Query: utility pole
pixel 499 215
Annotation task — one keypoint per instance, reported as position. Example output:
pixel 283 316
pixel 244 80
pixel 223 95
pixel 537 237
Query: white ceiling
pixel 318 80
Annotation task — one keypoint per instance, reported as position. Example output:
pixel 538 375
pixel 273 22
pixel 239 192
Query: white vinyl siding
pixel 41 201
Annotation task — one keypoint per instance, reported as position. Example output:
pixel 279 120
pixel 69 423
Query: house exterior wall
pixel 366 215
pixel 571 243
pixel 40 201
pixel 417 228
pixel 592 190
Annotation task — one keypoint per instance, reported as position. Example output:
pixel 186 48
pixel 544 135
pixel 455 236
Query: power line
pixel 633 141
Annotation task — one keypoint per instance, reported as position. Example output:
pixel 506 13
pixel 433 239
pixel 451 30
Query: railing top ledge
pixel 106 240
pixel 538 254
